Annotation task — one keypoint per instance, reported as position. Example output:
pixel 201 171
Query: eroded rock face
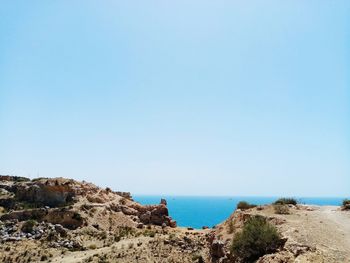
pixel 217 249
pixel 50 193
pixel 67 218
pixel 4 178
pixel 163 202
pixel 154 214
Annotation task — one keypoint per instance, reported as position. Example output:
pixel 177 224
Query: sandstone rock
pixel 281 257
pixel 217 249
pixel 297 249
pixel 115 207
pixel 129 210
pixel 172 223
pixel 13 178
pixel 61 230
pixel 156 215
pixel 146 217
pixel 50 192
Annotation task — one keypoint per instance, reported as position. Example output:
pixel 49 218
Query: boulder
pixel 217 249
pixel 50 192
pixel 129 210
pixel 163 202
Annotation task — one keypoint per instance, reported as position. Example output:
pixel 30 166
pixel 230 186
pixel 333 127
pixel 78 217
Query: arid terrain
pixel 62 220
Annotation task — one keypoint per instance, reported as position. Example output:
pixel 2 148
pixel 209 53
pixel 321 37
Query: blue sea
pixel 193 211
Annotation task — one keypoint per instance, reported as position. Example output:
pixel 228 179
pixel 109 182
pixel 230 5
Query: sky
pixel 178 97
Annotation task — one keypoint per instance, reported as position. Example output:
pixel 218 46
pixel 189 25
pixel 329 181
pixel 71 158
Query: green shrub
pixel 346 204
pixel 231 227
pixel 28 226
pixel 197 258
pixel 243 205
pixel 149 233
pixel 123 231
pixel 257 238
pixel 281 209
pixel 92 246
pixel 77 216
pixel 286 201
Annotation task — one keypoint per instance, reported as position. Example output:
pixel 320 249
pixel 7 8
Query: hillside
pixel 62 220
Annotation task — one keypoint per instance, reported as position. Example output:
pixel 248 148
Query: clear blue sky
pixel 178 97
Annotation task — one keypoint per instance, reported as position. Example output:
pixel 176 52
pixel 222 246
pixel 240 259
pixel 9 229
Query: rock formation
pixel 62 220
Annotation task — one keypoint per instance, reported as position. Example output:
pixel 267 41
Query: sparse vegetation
pixel 257 238
pixel 28 226
pixel 346 204
pixel 149 233
pixel 197 258
pixel 286 201
pixel 77 216
pixel 281 209
pixel 231 227
pixel 124 231
pixel 243 205
pixel 92 246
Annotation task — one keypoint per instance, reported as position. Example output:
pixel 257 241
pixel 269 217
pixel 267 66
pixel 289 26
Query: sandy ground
pixel 327 228
pixel 324 229
pixel 330 232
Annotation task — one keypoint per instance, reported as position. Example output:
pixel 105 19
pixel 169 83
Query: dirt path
pixel 327 228
pixel 340 224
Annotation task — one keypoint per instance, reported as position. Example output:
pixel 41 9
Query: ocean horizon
pixel 199 211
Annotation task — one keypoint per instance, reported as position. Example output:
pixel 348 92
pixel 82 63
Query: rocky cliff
pixel 62 220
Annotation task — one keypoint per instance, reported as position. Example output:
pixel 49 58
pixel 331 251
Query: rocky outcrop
pixel 217 249
pixel 126 195
pixel 163 202
pixel 38 198
pixel 4 178
pixel 67 218
pixel 48 192
pixel 154 214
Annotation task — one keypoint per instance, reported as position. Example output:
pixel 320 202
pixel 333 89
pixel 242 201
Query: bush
pixel 257 238
pixel 92 246
pixel 28 226
pixel 197 258
pixel 286 201
pixel 281 209
pixel 123 231
pixel 149 233
pixel 243 205
pixel 77 216
pixel 346 204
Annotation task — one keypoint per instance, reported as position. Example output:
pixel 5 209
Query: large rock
pixel 155 215
pixel 4 178
pixel 48 192
pixel 217 249
pixel 68 218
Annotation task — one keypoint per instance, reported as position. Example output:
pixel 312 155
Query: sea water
pixel 196 212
